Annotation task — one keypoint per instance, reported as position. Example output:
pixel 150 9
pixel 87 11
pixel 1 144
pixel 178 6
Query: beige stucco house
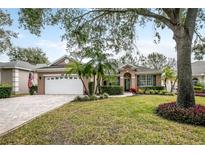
pixel 54 80
pixel 16 73
pixel 198 72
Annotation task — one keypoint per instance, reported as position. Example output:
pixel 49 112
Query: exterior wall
pixel 22 82
pixel 6 76
pixel 133 79
pixel 158 80
pixel 15 80
pixel 0 75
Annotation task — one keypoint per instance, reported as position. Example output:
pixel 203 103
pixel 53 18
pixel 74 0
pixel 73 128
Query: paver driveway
pixel 18 110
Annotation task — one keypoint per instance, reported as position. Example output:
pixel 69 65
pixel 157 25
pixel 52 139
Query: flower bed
pixel 193 115
pixel 200 94
pixel 90 98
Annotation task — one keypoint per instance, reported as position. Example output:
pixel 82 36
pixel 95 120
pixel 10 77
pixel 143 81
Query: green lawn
pixel 128 120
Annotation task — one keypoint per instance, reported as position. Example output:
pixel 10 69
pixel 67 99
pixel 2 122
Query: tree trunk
pixel 86 90
pixel 165 83
pixel 94 83
pixel 96 90
pixel 185 97
pixel 172 86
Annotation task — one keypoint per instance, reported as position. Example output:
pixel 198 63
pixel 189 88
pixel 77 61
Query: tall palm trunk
pixel 85 88
pixel 97 90
pixel 94 83
pixel 172 86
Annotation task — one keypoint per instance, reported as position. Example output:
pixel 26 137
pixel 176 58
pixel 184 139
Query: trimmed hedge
pixel 152 88
pixel 193 115
pixel 112 90
pixel 91 88
pixel 5 91
pixel 198 89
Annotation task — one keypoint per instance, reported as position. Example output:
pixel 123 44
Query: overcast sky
pixel 50 40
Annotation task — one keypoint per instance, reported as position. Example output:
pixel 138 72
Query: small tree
pixel 5 35
pixel 30 55
pixel 78 68
pixel 158 61
pixel 169 74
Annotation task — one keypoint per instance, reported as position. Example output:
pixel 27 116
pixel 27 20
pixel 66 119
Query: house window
pixel 149 80
pixel 145 80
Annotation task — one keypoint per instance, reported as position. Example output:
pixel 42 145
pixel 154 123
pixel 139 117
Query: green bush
pixel 112 90
pixel 93 97
pixel 101 97
pixel 105 95
pixel 198 89
pixel 33 89
pixel 5 91
pixel 162 92
pixel 91 88
pixel 152 88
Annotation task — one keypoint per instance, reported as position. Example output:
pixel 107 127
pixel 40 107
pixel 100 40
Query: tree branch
pixel 199 35
pixel 190 21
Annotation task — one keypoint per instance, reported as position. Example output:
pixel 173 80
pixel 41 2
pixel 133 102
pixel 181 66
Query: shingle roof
pixel 141 69
pixel 198 68
pixel 18 64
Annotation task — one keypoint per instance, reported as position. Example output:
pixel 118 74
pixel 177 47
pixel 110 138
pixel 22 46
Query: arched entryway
pixel 127 81
pixel 195 80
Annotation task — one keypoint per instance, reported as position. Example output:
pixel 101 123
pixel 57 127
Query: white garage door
pixel 63 85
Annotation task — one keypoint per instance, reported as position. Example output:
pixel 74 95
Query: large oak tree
pixel 113 29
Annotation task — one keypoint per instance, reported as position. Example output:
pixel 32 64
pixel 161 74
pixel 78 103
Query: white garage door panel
pixel 62 85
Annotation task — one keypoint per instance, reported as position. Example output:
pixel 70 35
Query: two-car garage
pixel 53 79
pixel 63 85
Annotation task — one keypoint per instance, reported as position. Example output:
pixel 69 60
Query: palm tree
pixel 76 67
pixel 169 74
pixel 102 65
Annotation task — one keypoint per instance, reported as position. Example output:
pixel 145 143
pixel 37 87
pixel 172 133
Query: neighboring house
pixel 198 72
pixel 53 79
pixel 16 74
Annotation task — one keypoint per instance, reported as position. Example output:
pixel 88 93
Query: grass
pixel 128 120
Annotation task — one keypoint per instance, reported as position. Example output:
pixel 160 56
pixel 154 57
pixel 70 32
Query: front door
pixel 127 84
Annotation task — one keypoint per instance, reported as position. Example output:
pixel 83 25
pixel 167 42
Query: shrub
pixel 193 115
pixel 141 91
pixel 77 98
pixel 101 97
pixel 133 90
pixel 105 95
pixel 5 91
pixel 33 89
pixel 93 97
pixel 153 88
pixel 91 88
pixel 152 91
pixel 112 90
pixel 162 92
pixel 85 98
pixel 198 89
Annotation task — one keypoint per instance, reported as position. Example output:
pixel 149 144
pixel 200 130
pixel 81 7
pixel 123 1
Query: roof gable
pixel 198 67
pixel 62 61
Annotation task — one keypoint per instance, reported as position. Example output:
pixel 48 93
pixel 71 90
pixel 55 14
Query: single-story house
pixel 16 73
pixel 53 79
pixel 198 72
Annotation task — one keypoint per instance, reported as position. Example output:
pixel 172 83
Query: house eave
pixel 21 68
pixel 51 70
